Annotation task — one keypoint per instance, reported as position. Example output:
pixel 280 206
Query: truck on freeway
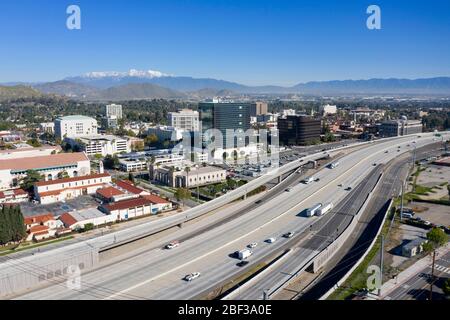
pixel 244 254
pixel 313 210
pixel 325 209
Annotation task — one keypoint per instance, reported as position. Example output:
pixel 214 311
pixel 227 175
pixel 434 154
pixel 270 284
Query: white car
pixel 192 276
pixel 252 245
pixel 271 240
pixel 173 245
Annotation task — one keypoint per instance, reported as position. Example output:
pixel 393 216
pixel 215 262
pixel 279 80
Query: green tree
pixel 151 140
pixel 111 162
pixel 30 179
pixel 231 183
pixel 436 239
pixel 182 194
pixel 446 287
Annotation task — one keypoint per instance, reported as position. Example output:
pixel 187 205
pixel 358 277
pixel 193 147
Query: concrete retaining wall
pixel 29 273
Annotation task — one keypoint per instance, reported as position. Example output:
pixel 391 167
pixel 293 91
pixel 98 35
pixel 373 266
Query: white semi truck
pixel 313 211
pixel 325 209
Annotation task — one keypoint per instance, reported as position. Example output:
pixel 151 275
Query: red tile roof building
pixel 74 164
pixel 62 189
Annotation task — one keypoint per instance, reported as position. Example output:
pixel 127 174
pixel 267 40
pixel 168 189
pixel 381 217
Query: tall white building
pixel 328 109
pixel 75 126
pixel 185 119
pixel 113 110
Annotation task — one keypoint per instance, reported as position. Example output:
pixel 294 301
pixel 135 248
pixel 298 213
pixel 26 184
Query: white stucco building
pixel 75 126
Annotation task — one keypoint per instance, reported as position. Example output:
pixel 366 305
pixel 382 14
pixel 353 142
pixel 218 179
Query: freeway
pixel 322 234
pixel 156 273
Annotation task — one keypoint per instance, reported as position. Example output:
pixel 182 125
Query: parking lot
pixel 435 213
pixel 80 203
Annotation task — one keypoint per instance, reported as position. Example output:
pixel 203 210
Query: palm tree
pixel 187 170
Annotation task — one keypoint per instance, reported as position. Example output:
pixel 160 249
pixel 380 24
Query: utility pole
pixel 381 265
pixel 432 275
pixel 401 204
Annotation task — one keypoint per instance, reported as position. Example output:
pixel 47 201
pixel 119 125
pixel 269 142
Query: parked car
pixel 192 276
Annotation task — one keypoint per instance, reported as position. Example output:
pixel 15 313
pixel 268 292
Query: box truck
pixel 244 254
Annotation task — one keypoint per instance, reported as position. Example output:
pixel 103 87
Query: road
pixel 156 273
pixel 322 234
pixel 418 286
pixel 348 255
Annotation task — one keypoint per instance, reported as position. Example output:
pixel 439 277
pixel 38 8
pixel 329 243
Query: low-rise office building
pixel 63 189
pixel 395 128
pixel 101 144
pixel 299 130
pixel 132 164
pixel 180 178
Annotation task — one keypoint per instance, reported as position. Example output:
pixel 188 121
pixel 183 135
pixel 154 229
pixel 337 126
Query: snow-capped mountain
pixel 150 74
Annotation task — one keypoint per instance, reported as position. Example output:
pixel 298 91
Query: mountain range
pixel 150 84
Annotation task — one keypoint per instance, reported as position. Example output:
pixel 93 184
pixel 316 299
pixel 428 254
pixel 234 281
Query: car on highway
pixel 252 245
pixel 271 240
pixel 192 276
pixel 173 245
pixel 288 190
pixel 317 180
pixel 340 185
pixel 243 263
pixel 288 235
pixel 348 189
pixel 387 151
pixel 374 164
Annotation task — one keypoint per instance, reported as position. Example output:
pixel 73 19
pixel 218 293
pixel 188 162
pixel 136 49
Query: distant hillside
pixel 439 85
pixel 67 88
pixel 16 92
pixel 136 91
pixel 211 93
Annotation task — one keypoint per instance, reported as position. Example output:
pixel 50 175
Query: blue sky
pixel 248 41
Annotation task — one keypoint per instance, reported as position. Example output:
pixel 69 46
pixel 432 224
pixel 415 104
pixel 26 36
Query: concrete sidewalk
pixel 410 272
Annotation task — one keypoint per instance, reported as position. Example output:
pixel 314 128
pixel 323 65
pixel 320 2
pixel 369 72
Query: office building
pixel 101 144
pixel 395 128
pixel 113 110
pixel 258 108
pixel 185 119
pixel 75 126
pixel 298 130
pixel 223 117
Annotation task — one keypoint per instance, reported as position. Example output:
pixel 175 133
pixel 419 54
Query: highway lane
pixel 326 231
pixel 418 286
pixel 157 265
pixel 390 186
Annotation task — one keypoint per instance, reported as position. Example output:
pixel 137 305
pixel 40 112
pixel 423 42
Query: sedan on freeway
pixel 192 276
pixel 252 245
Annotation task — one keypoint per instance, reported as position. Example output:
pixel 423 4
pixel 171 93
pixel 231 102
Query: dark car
pixel 243 263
